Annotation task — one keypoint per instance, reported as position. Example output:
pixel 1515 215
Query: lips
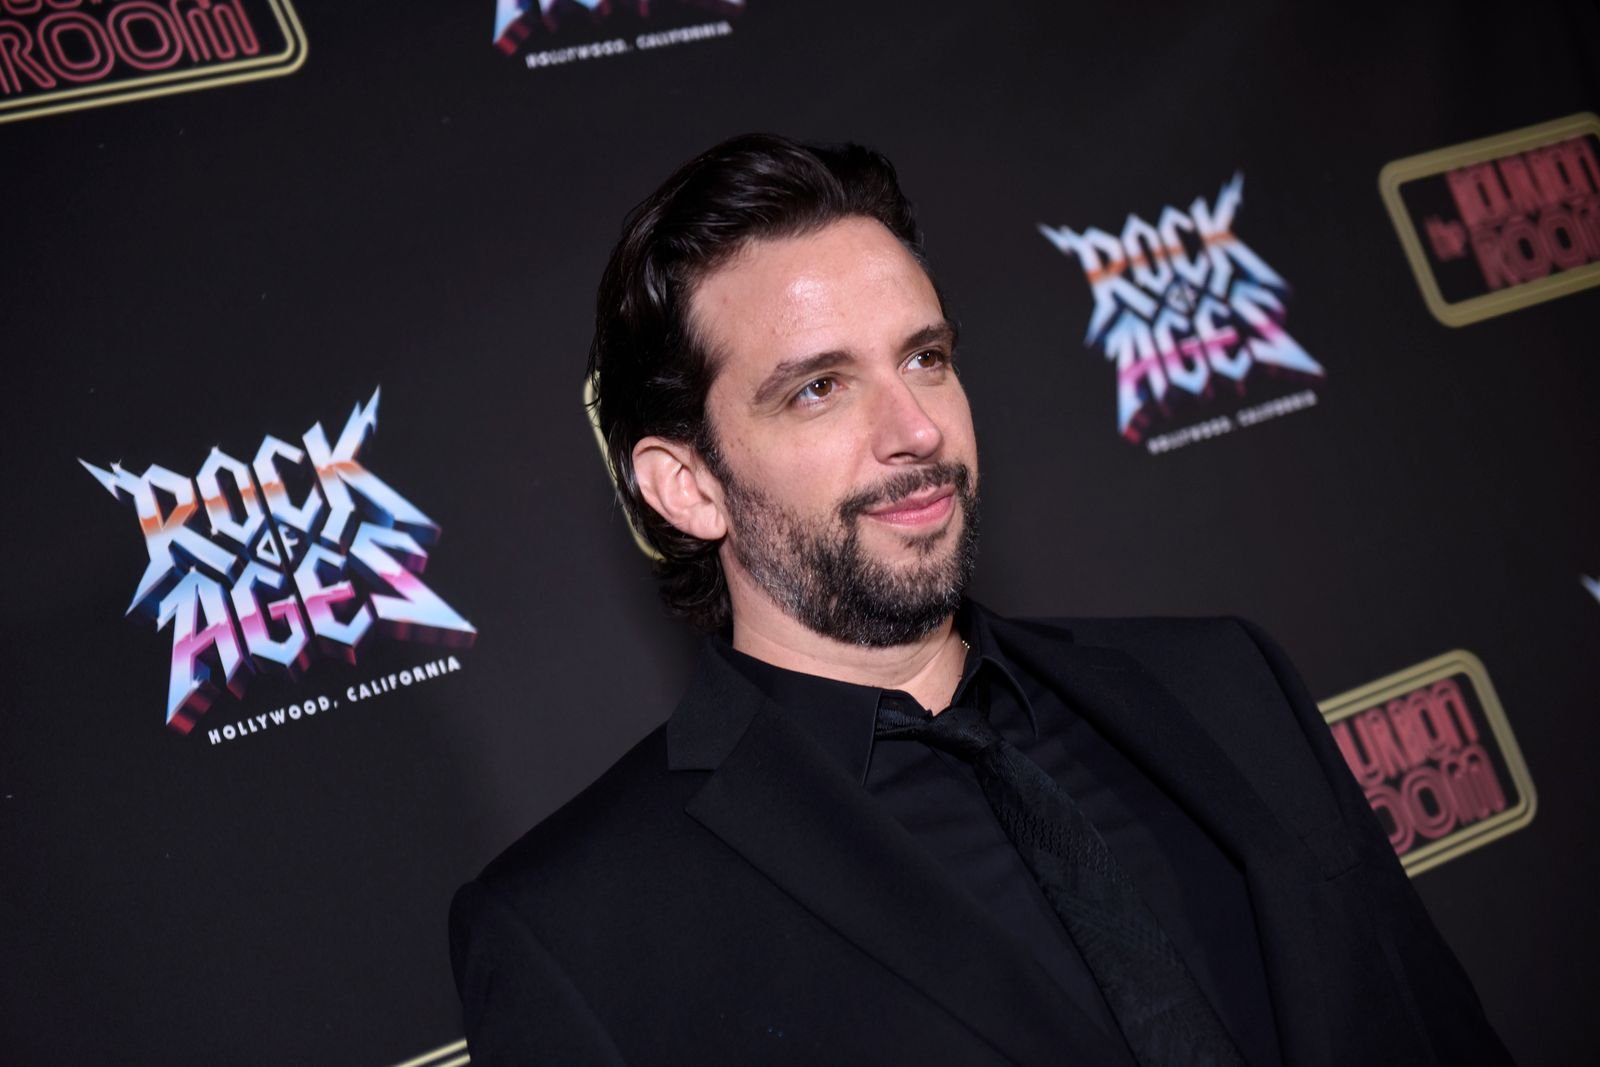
pixel 927 506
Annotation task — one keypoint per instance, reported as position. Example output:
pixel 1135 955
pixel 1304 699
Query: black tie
pixel 1161 1012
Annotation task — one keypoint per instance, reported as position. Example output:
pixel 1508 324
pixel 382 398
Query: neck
pixel 928 668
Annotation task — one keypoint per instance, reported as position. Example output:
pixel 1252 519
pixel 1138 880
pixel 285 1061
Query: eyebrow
pixel 801 366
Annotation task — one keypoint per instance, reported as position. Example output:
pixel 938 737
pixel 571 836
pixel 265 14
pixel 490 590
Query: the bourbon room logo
pixel 1495 225
pixel 1432 748
pixel 62 55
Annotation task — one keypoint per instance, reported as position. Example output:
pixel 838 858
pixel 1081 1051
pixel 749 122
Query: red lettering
pixel 216 31
pixel 1405 720
pixel 1437 729
pixel 1474 785
pixel 1386 802
pixel 16 59
pixel 1372 727
pixel 1367 771
pixel 1562 239
pixel 90 33
pixel 137 17
pixel 1524 253
pixel 1448 239
pixel 1565 171
pixel 1428 802
pixel 1529 214
pixel 1447 699
pixel 1478 194
pixel 1486 247
pixel 1581 164
pixel 1420 763
pixel 1525 192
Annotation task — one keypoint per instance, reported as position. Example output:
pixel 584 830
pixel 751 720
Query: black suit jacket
pixel 726 894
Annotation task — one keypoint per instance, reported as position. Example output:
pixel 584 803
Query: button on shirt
pixel 1194 889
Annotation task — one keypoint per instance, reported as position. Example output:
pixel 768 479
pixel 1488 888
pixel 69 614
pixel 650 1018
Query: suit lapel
pixel 777 800
pixel 1140 716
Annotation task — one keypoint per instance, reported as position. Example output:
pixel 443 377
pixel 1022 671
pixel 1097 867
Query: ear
pixel 677 485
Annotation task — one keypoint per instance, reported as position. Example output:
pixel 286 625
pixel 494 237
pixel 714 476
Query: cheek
pixel 957 421
pixel 810 472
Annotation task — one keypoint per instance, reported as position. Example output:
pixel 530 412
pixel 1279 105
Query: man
pixel 884 825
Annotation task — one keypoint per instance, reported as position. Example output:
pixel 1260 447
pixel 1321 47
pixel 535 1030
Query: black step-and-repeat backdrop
pixel 315 593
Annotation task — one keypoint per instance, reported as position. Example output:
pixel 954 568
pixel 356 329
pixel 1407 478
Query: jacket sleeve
pixel 518 1006
pixel 1444 1002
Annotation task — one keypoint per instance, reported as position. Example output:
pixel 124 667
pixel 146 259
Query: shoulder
pixel 1111 629
pixel 1164 645
pixel 1225 669
pixel 636 805
pixel 1226 675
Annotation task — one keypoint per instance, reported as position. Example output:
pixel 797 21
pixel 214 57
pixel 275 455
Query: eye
pixel 929 359
pixel 816 390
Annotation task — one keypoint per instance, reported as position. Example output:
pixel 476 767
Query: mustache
pixel 905 483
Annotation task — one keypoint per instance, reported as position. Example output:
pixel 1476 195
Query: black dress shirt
pixel 1195 890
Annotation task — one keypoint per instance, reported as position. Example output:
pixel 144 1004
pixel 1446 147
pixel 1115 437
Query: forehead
pixel 849 286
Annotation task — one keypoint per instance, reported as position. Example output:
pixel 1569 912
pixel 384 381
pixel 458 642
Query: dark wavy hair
pixel 649 372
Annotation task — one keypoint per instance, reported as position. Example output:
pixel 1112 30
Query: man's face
pixel 845 450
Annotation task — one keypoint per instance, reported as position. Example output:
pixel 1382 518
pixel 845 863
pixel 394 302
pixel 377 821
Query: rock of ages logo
pixel 251 579
pixel 61 55
pixel 593 29
pixel 1500 223
pixel 1433 750
pixel 1189 313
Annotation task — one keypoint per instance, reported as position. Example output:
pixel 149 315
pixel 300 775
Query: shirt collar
pixel 842 716
pixel 983 651
pixel 837 715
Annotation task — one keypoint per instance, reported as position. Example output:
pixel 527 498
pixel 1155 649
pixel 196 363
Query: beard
pixel 815 569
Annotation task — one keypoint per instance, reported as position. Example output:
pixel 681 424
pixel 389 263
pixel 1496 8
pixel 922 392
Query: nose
pixel 903 428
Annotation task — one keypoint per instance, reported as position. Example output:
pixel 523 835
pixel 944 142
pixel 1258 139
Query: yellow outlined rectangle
pixel 1428 164
pixel 1400 683
pixel 451 1055
pixel 207 76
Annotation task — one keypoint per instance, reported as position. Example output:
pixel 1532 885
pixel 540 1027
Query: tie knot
pixel 962 731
